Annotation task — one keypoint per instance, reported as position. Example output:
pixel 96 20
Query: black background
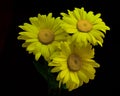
pixel 20 75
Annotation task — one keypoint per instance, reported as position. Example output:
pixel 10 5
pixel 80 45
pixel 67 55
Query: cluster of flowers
pixel 66 43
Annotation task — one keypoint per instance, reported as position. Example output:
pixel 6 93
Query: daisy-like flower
pixel 85 27
pixel 74 65
pixel 42 36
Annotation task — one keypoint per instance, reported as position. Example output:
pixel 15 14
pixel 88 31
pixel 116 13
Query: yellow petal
pixel 89 68
pixel 34 21
pixel 37 56
pixel 63 73
pixel 45 51
pixel 30 28
pixel 74 77
pixel 31 47
pixel 71 86
pixel 55 69
pixel 76 13
pixel 70 21
pixel 90 74
pixel 83 77
pixel 28 34
pixel 66 78
pixel 22 37
pixel 25 44
pixel 60 83
pixel 71 15
pixel 32 40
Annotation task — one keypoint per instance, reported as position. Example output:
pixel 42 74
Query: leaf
pixel 43 68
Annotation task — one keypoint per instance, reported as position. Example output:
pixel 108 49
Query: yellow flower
pixel 42 36
pixel 85 27
pixel 75 65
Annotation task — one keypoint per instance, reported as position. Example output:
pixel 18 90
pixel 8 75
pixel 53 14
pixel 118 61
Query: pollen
pixel 74 63
pixel 84 25
pixel 46 36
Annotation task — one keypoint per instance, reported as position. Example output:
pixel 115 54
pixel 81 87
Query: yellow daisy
pixel 42 36
pixel 75 65
pixel 85 27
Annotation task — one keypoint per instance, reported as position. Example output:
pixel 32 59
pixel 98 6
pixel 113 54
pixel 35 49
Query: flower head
pixel 85 27
pixel 42 36
pixel 74 65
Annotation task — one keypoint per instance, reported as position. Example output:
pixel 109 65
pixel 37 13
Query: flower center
pixel 84 26
pixel 46 36
pixel 73 62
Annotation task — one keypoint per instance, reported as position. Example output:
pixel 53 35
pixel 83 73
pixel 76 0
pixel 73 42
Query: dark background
pixel 19 73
